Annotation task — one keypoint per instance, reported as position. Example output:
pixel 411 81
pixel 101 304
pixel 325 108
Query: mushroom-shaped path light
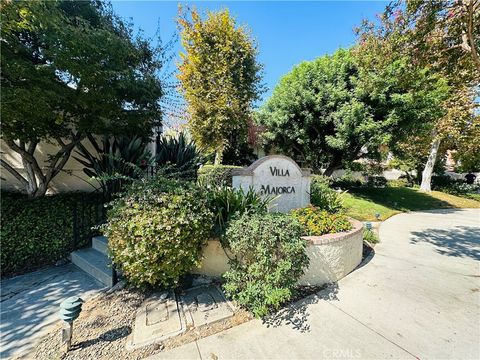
pixel 70 309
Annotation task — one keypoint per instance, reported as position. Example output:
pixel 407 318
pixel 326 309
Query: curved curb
pixel 331 238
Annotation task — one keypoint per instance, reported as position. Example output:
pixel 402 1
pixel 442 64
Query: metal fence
pixel 88 212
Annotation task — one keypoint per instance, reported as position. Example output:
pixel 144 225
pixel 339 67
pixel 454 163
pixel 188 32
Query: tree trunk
pixel 331 168
pixel 32 185
pixel 35 183
pixel 428 170
pixel 218 156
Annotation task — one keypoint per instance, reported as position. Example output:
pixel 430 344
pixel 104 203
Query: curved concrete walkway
pixel 418 297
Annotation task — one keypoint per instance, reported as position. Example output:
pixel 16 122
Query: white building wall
pixel 72 178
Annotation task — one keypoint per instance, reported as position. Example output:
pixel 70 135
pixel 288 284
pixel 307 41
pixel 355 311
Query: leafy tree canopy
pixel 220 77
pixel 332 110
pixel 69 68
pixel 441 37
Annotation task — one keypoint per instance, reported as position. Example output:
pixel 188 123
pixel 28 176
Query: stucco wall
pixel 331 257
pixel 72 178
pixel 215 260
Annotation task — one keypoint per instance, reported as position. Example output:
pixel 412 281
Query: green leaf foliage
pixel 216 175
pixel 157 229
pixel 323 196
pixel 117 162
pixel 179 157
pixel 68 69
pixel 270 257
pixel 318 222
pixel 370 236
pixel 39 232
pixel 74 64
pixel 228 203
pixel 219 76
pixel 328 111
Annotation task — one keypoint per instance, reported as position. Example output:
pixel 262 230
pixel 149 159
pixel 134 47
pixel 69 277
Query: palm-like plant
pixel 118 160
pixel 178 156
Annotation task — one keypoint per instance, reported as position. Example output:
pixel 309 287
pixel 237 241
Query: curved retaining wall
pixel 331 256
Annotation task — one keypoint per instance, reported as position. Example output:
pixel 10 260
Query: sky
pixel 286 32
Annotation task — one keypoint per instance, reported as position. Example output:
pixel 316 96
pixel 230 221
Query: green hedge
pixel 216 175
pixel 36 232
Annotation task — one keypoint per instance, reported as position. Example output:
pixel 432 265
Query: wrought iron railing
pixel 88 211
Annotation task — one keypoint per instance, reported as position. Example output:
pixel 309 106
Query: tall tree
pixel 219 76
pixel 442 37
pixel 69 69
pixel 330 112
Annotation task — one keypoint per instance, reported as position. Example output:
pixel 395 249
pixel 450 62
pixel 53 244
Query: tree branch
pixel 61 157
pixel 27 156
pixel 14 172
pixel 470 40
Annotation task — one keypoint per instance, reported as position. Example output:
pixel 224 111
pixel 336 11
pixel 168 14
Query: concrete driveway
pixel 30 303
pixel 418 297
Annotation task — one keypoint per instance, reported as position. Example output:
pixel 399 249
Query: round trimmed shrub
pixel 270 257
pixel 156 231
pixel 216 175
pixel 318 222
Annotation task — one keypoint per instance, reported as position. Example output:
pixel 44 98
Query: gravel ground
pixel 100 332
pixel 105 323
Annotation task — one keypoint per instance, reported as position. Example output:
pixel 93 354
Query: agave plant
pixel 118 161
pixel 177 156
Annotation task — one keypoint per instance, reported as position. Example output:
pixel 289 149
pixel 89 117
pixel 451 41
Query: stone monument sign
pixel 277 176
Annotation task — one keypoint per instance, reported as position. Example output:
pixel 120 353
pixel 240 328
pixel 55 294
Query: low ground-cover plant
pixel 455 187
pixel 347 181
pixel 227 203
pixel 270 256
pixel 441 181
pixel 323 196
pixel 318 222
pixel 216 175
pixel 39 232
pixel 156 231
pixel 400 182
pixel 370 236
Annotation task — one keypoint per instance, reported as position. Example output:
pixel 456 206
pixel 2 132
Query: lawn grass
pixel 474 196
pixel 362 204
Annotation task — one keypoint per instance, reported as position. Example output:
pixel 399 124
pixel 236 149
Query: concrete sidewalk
pixel 418 297
pixel 30 303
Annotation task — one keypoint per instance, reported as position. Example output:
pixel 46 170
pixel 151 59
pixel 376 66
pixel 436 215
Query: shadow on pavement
pixel 461 241
pixel 30 303
pixel 296 314
pixel 108 336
